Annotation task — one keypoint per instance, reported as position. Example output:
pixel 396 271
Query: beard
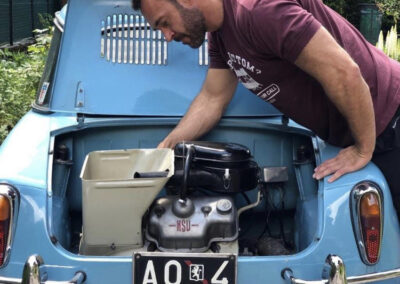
pixel 195 26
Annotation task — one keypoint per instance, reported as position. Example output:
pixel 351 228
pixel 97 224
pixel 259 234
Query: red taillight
pixel 370 218
pixel 5 213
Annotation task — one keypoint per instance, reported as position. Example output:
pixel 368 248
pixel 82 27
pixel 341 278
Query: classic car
pixel 86 196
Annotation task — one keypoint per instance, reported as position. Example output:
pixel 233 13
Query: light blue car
pixel 86 198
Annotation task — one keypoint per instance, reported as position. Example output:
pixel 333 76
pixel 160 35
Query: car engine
pixel 179 222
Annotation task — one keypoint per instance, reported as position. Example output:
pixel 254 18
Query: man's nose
pixel 168 34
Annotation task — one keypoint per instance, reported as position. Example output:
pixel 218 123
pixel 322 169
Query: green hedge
pixel 20 73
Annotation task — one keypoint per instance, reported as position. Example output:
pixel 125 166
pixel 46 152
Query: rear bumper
pixel 335 272
pixel 32 274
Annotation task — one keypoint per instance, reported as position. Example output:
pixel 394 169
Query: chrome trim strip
pixel 142 38
pixel 60 19
pixel 206 50
pixel 59 22
pixel 165 61
pixel 126 27
pixel 148 44
pixel 355 197
pixel 201 55
pixel 203 52
pixel 153 57
pixel 379 276
pixel 119 38
pixel 336 273
pixel 7 280
pixel 102 40
pixel 159 47
pixel 108 35
pixel 12 194
pixel 58 25
pixel 114 35
pixel 137 40
pixel 131 25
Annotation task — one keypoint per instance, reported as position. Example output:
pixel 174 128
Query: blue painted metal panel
pixel 337 237
pixel 23 161
pixel 24 154
pixel 128 89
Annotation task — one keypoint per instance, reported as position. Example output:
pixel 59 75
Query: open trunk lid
pixel 112 63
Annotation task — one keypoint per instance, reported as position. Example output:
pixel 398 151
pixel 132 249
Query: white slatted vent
pixel 203 52
pixel 130 39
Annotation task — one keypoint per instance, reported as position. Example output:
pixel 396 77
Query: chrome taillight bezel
pixel 13 196
pixel 359 190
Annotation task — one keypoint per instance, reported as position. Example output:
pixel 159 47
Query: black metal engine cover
pixel 221 167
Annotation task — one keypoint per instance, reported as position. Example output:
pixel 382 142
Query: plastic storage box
pixel 116 193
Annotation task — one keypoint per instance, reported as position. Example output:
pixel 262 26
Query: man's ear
pixel 187 3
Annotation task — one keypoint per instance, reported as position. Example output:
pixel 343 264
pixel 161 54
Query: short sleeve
pixel 280 27
pixel 216 60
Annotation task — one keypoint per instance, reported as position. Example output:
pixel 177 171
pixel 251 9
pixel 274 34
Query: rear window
pixel 44 92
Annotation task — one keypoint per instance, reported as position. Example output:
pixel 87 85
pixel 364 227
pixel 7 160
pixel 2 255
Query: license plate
pixel 184 268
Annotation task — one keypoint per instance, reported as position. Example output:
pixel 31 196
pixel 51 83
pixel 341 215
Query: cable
pixel 267 212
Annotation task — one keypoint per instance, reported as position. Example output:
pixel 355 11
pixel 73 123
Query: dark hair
pixel 136 4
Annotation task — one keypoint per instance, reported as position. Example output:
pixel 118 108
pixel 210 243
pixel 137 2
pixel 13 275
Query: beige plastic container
pixel 114 201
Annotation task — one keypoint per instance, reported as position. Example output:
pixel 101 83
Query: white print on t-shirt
pixel 267 94
pixel 247 80
pixel 243 62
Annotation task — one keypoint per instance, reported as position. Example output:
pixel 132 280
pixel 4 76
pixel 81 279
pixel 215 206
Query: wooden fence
pixel 18 18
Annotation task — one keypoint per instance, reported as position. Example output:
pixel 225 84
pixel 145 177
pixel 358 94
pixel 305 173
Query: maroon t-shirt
pixel 261 39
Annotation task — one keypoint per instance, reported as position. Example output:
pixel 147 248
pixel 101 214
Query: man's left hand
pixel 348 160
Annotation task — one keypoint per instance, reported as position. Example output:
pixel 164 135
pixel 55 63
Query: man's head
pixel 179 20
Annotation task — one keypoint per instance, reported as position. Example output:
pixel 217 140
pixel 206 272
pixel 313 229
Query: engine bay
pixel 215 198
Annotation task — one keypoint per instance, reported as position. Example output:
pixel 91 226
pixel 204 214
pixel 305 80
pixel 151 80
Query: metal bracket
pixel 80 118
pixel 80 95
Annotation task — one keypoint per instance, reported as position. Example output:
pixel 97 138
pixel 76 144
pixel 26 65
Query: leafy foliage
pixel 390 7
pixel 20 73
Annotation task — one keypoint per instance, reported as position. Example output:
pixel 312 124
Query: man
pixel 328 77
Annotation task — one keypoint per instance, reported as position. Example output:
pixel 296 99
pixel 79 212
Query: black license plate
pixel 184 268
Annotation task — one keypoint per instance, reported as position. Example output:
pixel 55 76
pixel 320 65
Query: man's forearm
pixel 199 119
pixel 353 99
pixel 342 81
pixel 206 109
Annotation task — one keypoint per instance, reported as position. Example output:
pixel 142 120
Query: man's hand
pixel 348 160
pixel 163 145
pixel 166 144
